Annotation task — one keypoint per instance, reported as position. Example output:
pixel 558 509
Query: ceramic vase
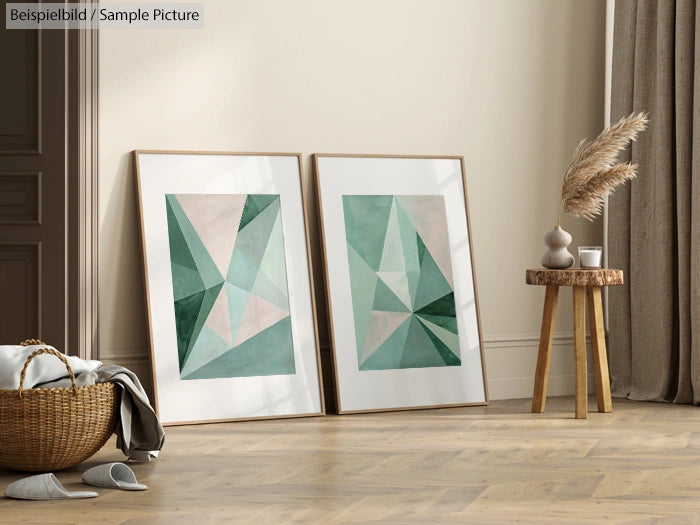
pixel 557 256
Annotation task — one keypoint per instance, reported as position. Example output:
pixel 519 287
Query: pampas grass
pixel 592 173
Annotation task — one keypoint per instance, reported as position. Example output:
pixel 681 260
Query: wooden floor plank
pixel 499 464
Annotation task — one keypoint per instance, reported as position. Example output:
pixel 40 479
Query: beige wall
pixel 512 85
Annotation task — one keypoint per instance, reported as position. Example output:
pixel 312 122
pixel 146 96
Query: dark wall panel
pixel 19 281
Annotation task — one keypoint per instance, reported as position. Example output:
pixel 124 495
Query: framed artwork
pixel 228 288
pixel 402 301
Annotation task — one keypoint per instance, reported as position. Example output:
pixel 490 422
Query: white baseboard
pixel 510 366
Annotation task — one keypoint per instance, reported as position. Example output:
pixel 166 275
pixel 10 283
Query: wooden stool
pixel 585 283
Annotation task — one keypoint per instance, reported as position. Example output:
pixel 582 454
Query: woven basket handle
pixel 28 342
pixel 46 351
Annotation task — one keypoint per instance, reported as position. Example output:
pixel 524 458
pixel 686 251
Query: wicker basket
pixel 47 429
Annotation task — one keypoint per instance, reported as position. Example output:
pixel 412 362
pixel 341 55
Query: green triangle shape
pixel 270 352
pixel 409 245
pixel 450 339
pixel 431 283
pixel 242 272
pixel 179 251
pixel 386 300
pixel 388 355
pixel 237 302
pixel 446 322
pixel 392 252
pixel 208 300
pixel 206 348
pixel 263 245
pixel 366 219
pixel 417 251
pixel 254 205
pixel 363 282
pixel 273 264
pixel 448 356
pixel 267 290
pixel 185 281
pixel 204 264
pixel 420 352
pixel 253 239
pixel 443 306
pixel 186 312
pixel 412 277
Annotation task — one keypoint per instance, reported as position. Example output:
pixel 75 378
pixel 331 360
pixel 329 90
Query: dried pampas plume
pixel 592 174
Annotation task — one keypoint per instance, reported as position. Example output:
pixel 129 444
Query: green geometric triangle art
pixel 231 298
pixel 401 281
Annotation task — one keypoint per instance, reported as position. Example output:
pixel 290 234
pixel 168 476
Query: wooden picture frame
pixel 402 301
pixel 228 286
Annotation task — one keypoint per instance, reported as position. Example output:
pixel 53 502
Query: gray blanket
pixel 140 435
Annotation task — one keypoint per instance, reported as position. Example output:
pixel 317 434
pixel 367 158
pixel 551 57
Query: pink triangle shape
pixel 259 315
pixel 215 218
pixel 381 326
pixel 218 319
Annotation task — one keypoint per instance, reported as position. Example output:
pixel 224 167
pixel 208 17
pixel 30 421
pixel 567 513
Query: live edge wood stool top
pixel 585 284
pixel 574 277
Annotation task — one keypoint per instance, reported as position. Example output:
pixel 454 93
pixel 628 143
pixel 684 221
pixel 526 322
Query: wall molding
pixel 527 339
pixel 126 355
pixel 89 229
pixel 83 184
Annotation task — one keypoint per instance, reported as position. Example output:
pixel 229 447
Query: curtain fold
pixel 654 222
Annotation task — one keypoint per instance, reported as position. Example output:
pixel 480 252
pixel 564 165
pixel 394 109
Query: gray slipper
pixel 112 475
pixel 42 486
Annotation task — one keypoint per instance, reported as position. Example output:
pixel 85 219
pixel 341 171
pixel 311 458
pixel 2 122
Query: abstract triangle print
pixel 230 288
pixel 401 281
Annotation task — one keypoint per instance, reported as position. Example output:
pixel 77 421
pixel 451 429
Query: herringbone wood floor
pixel 493 465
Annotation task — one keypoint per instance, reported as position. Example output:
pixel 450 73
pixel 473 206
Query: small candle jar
pixel 590 256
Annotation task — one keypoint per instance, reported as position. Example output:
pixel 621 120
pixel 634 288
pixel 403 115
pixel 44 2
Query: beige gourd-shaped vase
pixel 557 257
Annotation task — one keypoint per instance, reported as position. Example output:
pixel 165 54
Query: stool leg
pixel 580 352
pixel 549 314
pixel 600 359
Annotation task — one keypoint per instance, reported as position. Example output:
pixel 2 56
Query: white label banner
pixel 104 16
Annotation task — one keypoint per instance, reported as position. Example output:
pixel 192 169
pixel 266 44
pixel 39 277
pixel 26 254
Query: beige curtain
pixel 654 222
